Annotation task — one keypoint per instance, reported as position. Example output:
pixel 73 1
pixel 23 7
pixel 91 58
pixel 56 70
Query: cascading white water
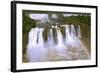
pixel 36 50
pixel 67 33
pixel 32 42
pixel 61 47
pixel 73 32
pixel 79 32
pixel 50 42
pixel 40 38
pixel 59 37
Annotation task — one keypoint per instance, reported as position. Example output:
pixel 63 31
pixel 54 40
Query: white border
pixel 21 65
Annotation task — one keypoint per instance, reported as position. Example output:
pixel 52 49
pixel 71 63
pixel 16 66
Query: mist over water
pixel 68 48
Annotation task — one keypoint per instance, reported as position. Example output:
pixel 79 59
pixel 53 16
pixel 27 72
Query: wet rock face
pixel 45 34
pixel 77 54
pixel 71 54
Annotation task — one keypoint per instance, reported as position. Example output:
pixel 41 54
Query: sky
pixel 41 17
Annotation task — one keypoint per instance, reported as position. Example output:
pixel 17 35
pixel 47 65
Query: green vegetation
pixel 78 20
pixel 28 23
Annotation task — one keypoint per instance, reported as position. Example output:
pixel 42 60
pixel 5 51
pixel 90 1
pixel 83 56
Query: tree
pixel 28 23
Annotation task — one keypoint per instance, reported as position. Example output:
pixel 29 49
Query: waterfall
pixel 50 41
pixel 67 33
pixel 78 32
pixel 40 38
pixel 33 37
pixel 73 32
pixel 60 37
pixel 60 47
pixel 36 50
